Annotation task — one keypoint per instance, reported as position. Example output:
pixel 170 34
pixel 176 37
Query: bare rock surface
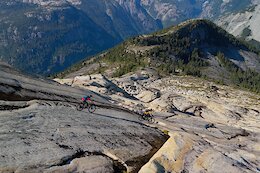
pixel 97 83
pixel 211 126
pixel 42 131
pixel 238 23
pixel 90 164
pixel 16 86
pixel 47 137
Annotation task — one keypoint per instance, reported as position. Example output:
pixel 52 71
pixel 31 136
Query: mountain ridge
pixel 195 47
pixel 174 12
pixel 243 24
pixel 48 36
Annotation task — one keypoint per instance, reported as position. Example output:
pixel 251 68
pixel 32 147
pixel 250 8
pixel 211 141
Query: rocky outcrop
pixel 90 164
pixel 243 24
pixel 174 12
pixel 97 83
pixel 210 126
pixel 42 131
pixel 54 137
pixel 15 86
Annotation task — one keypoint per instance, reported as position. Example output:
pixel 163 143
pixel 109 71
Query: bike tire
pixel 80 107
pixel 150 120
pixel 92 108
pixel 140 118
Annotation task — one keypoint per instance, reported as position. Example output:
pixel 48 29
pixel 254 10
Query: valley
pixel 46 37
pixel 49 36
pixel 193 65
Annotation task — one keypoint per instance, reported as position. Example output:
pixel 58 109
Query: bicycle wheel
pixel 92 108
pixel 80 107
pixel 150 120
pixel 140 118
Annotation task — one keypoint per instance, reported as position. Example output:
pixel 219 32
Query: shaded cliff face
pixel 244 23
pixel 47 36
pixel 174 12
pixel 142 19
pixel 121 18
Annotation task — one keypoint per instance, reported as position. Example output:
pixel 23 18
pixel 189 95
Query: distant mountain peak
pixel 47 36
pixel 53 2
pixel 244 23
pixel 196 47
pixel 174 12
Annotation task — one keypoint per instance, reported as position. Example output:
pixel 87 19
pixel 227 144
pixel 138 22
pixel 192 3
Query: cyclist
pixel 147 112
pixel 86 98
pixel 147 115
pixel 87 102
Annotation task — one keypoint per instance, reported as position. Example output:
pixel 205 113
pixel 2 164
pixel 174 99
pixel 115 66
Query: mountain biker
pixel 86 98
pixel 147 112
pixel 88 103
pixel 147 115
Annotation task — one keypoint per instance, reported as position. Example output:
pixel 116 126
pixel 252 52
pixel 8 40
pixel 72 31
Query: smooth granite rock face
pixel 212 128
pixel 42 131
pixel 46 136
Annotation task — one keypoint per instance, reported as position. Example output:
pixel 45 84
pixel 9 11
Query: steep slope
pixel 244 24
pixel 42 131
pixel 47 36
pixel 211 126
pixel 196 47
pixel 174 12
pixel 16 86
pixel 44 39
pixel 120 18
pixel 240 18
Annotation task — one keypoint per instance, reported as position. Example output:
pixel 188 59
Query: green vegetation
pixel 246 79
pixel 181 51
pixel 255 44
pixel 176 52
pixel 246 32
pixel 47 42
pixel 192 66
pixel 125 62
pixel 193 33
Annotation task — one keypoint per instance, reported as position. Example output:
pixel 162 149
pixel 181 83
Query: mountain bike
pixel 85 105
pixel 147 116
